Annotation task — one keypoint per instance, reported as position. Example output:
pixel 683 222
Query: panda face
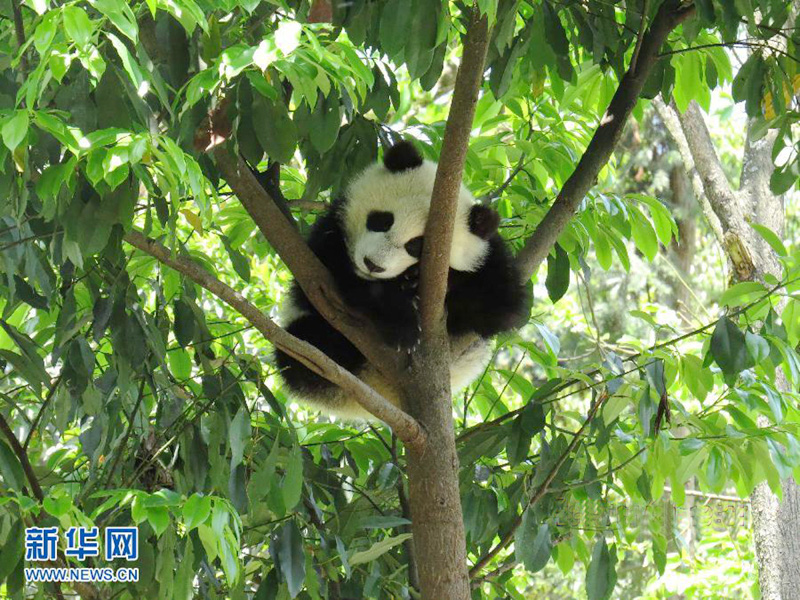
pixel 383 217
pixel 386 242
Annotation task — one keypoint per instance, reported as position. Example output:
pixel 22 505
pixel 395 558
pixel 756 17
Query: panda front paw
pixel 403 338
pixel 409 280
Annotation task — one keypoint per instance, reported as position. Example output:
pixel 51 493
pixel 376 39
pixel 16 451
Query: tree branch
pixel 739 239
pixel 406 428
pixel 715 183
pixel 308 270
pixel 19 32
pixel 669 116
pixel 23 459
pixel 439 227
pixel 669 15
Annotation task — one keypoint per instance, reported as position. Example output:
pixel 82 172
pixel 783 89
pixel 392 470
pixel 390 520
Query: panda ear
pixel 483 221
pixel 401 157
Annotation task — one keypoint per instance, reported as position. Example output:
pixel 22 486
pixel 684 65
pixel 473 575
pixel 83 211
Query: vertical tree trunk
pixel 776 525
pixel 788 519
pixel 437 522
pixel 683 250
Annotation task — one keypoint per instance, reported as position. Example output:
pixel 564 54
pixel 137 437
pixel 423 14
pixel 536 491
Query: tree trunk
pixel 437 522
pixel 776 525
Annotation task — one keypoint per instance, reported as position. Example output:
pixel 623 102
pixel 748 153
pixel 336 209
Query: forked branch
pixel 308 270
pixel 406 428
pixel 670 14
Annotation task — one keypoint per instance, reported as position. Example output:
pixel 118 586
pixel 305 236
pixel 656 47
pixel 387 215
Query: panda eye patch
pixel 379 220
pixel 414 246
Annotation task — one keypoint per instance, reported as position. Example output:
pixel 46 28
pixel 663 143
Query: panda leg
pixel 319 333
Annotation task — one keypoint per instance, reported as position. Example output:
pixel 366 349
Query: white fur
pixel 464 369
pixel 407 195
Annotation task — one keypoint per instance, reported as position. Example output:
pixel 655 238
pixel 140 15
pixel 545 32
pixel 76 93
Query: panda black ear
pixel 401 157
pixel 483 221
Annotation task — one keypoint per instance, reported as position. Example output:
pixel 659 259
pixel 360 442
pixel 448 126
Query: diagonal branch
pixel 670 14
pixel 22 456
pixel 406 428
pixel 715 183
pixel 308 270
pixel 669 116
pixel 439 227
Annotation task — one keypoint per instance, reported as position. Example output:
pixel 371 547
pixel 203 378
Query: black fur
pixel 483 221
pixel 401 157
pixel 487 302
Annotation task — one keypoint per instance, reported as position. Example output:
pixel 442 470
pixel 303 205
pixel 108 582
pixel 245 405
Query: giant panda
pixel 371 241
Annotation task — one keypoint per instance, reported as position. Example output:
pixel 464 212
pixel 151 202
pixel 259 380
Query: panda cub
pixel 371 241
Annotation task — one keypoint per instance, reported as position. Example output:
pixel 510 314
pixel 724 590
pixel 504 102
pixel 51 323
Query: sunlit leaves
pixel 14 129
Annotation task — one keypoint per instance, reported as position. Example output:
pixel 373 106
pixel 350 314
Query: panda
pixel 371 241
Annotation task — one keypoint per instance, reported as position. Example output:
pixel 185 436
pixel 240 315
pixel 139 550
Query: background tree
pixel 161 160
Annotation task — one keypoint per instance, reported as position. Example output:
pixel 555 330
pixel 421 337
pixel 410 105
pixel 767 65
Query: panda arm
pixel 386 303
pixel 389 306
pixel 489 300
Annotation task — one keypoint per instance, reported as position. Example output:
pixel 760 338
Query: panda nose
pixel 373 268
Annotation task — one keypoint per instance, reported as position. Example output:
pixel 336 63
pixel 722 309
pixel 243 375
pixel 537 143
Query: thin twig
pixel 541 490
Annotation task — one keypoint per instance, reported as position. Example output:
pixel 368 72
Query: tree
pixel 149 151
pixel 739 216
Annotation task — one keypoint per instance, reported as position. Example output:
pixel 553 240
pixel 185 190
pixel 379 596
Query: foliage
pixel 141 399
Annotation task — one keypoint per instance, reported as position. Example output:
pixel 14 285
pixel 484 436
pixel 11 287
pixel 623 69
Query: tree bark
pixel 776 525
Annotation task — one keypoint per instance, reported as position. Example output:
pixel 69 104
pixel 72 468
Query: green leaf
pixel 558 272
pixel 293 480
pixel 757 346
pixel 240 262
pixel 276 132
pixel 741 293
pixel 196 510
pixel 10 468
pixel 324 123
pixel 239 435
pixel 78 26
pixel 729 349
pixel 532 543
pixel 771 238
pixel 158 517
pixel 120 14
pixel 394 24
pixel 15 129
pixel 518 443
pixel 45 31
pixel 291 558
pixel 601 576
pixel 378 549
pixel 13 549
pixel 184 322
pixel 130 65
pixel 716 470
pixel 58 506
pixel 644 236
pixel 180 363
pixel 646 411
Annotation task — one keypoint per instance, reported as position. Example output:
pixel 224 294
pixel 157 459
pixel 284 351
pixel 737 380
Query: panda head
pixel 384 213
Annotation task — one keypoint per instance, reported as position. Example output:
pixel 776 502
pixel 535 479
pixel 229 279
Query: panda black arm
pixel 386 303
pixel 489 300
